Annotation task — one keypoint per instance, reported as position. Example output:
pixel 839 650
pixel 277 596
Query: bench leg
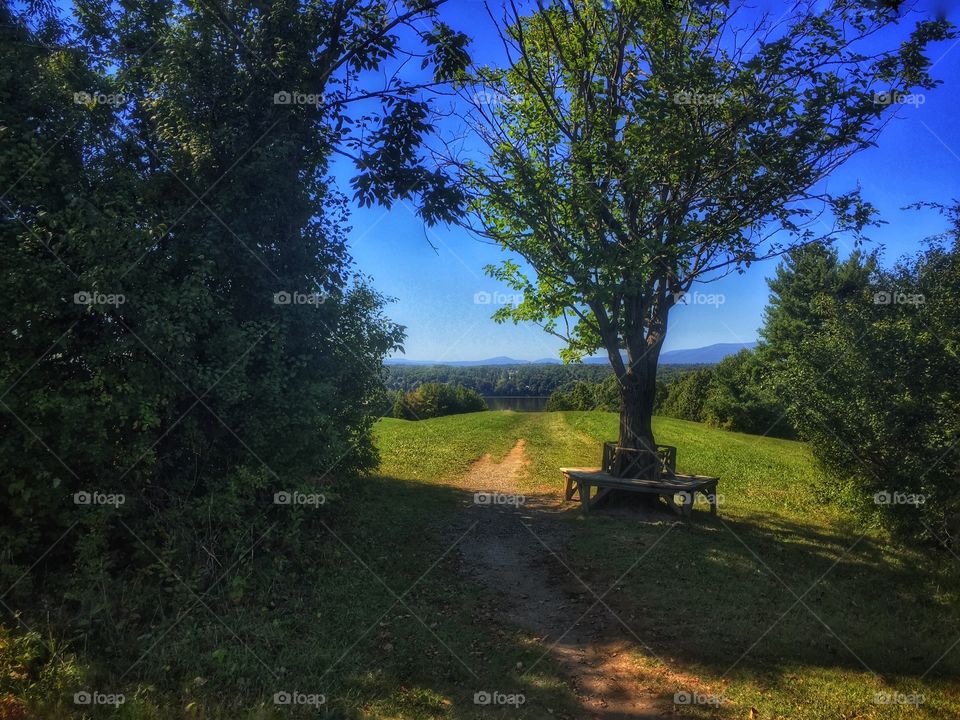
pixel 568 488
pixel 688 497
pixel 712 497
pixel 672 504
pixel 601 494
pixel 584 496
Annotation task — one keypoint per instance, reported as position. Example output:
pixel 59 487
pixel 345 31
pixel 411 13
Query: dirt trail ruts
pixel 515 551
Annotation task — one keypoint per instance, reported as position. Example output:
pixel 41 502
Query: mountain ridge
pixel 706 355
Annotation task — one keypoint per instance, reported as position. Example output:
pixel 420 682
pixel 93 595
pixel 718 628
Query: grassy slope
pixel 718 600
pixel 698 599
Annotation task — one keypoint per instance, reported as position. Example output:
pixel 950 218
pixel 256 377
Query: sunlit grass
pixel 717 600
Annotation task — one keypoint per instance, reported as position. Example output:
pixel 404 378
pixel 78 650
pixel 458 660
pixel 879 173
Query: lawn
pixel 782 607
pixel 785 604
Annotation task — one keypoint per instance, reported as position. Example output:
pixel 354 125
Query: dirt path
pixel 516 551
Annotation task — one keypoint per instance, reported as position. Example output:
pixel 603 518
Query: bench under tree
pixel 581 482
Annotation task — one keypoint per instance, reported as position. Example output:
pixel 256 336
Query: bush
pixel 435 400
pixel 739 398
pixel 186 337
pixel 586 395
pixel 869 378
pixel 685 395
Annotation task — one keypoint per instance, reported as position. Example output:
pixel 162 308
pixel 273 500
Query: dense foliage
pixel 866 361
pixel 685 395
pixel 185 339
pixel 586 395
pixel 435 400
pixel 533 379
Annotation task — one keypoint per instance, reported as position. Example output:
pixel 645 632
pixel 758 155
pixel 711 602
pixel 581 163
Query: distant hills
pixel 705 355
pixel 708 355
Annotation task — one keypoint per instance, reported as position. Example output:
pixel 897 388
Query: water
pixel 517 403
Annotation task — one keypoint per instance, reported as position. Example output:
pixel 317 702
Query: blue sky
pixel 918 158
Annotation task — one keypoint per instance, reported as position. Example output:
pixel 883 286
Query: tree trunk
pixel 637 453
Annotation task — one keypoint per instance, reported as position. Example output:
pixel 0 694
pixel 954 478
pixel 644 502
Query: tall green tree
pixel 868 375
pixel 187 328
pixel 634 148
pixel 801 280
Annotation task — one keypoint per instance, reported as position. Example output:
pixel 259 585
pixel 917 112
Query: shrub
pixel 869 378
pixel 739 398
pixel 685 395
pixel 435 400
pixel 586 395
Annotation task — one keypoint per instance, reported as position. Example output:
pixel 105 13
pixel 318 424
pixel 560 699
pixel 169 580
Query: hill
pixel 794 609
pixel 692 356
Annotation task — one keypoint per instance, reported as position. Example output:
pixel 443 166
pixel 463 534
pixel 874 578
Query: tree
pixel 188 330
pixel 868 376
pixel 804 276
pixel 741 397
pixel 632 149
pixel 436 400
pixel 684 396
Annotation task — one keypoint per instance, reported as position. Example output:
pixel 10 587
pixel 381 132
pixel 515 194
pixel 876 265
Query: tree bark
pixel 637 453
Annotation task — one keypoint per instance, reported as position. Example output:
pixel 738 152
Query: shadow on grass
pixel 765 594
pixel 754 599
pixel 384 623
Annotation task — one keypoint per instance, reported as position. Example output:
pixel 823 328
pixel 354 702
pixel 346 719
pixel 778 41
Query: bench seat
pixel 580 480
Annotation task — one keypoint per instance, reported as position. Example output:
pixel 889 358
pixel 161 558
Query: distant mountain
pixel 499 360
pixel 692 356
pixel 705 355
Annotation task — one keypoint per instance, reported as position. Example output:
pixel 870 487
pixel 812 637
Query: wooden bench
pixel 581 480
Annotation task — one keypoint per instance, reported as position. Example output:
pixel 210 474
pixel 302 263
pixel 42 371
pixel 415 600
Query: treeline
pixel 736 394
pixel 862 362
pixel 730 395
pixel 865 363
pixel 507 380
pixel 434 400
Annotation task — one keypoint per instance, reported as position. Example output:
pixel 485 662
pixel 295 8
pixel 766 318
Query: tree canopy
pixel 633 148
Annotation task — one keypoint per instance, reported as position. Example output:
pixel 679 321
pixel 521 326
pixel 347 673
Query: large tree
pixel 865 361
pixel 182 322
pixel 634 148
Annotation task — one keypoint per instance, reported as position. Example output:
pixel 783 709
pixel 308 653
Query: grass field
pixel 784 606
pixel 781 607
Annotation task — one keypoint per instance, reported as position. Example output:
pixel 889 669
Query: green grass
pixel 714 601
pixel 873 618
